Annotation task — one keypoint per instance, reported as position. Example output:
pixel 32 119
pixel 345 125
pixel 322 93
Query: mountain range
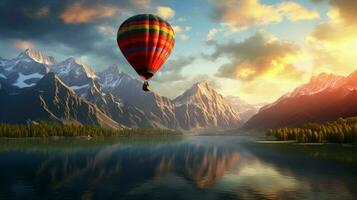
pixel 35 87
pixel 324 98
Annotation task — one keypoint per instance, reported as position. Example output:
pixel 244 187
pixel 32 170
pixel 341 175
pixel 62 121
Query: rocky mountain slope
pixel 52 101
pixel 202 107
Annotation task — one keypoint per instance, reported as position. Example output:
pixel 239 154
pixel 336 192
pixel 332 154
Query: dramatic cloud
pixel 22 44
pixel 80 13
pixel 295 12
pixel 84 29
pixel 165 12
pixel 242 14
pixel 259 55
pixel 333 43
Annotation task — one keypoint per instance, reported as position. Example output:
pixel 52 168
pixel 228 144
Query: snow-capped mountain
pixel 72 73
pixel 201 107
pixel 26 69
pixel 114 96
pixel 38 56
pixel 51 100
pixel 325 97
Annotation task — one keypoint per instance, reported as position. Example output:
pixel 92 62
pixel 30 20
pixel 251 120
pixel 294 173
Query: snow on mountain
pixel 21 80
pixel 74 87
pixel 26 69
pixel 72 73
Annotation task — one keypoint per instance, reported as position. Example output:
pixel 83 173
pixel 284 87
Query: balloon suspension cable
pixel 146 86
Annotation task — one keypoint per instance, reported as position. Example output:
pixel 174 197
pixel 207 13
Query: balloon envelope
pixel 146 41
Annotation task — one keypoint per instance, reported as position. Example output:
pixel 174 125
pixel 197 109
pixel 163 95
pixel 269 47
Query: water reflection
pixel 193 168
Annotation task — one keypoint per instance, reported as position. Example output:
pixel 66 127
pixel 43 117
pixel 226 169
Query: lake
pixel 194 167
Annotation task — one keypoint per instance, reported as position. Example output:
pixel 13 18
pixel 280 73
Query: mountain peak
pixel 73 68
pixel 199 90
pixel 317 84
pixel 37 56
pixel 202 84
pixel 325 77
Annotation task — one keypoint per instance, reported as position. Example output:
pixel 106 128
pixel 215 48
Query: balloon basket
pixel 146 86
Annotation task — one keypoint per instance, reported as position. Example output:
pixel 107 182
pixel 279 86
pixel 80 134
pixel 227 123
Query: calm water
pixel 205 167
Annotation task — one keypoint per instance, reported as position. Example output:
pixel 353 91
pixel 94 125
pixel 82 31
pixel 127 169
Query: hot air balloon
pixel 146 41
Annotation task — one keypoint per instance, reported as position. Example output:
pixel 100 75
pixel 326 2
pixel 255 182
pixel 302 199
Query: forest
pixel 48 130
pixel 343 130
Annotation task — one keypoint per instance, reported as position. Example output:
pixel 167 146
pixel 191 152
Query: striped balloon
pixel 146 41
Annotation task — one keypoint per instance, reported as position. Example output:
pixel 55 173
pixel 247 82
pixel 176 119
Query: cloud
pixel 261 55
pixel 165 12
pixel 80 13
pixel 172 70
pixel 295 12
pixel 333 43
pixel 211 34
pixel 240 15
pixel 143 4
pixel 106 29
pixel 181 32
pixel 91 41
pixel 22 44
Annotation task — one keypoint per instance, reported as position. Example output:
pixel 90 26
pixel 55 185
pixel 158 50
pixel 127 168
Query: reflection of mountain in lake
pixel 195 168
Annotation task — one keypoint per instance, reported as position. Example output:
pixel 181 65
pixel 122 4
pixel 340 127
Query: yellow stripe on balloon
pixel 145 27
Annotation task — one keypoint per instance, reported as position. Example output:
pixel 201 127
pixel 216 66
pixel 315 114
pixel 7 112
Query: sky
pixel 257 50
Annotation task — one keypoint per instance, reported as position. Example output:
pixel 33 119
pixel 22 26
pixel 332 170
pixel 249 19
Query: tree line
pixel 48 130
pixel 343 130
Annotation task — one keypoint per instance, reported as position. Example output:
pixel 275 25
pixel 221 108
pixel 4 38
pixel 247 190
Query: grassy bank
pixel 50 130
pixel 339 131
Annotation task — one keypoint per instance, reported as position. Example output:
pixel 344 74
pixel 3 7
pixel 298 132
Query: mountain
pixel 245 110
pixel 51 100
pixel 326 97
pixel 74 74
pixel 115 108
pixel 26 69
pixel 110 98
pixel 201 107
